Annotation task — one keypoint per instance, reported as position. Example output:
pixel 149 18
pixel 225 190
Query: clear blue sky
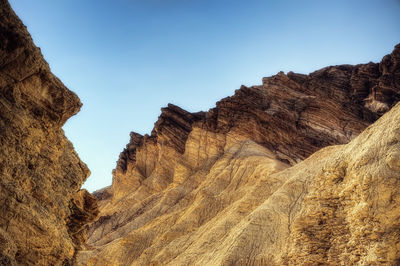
pixel 126 59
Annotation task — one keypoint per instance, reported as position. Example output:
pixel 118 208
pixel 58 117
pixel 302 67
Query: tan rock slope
pixel 42 209
pixel 232 186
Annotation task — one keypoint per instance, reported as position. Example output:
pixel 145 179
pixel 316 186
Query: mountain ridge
pixel 175 190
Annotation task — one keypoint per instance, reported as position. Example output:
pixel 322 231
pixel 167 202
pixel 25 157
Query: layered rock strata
pixel 43 212
pixel 232 186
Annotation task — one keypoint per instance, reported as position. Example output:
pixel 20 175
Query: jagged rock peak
pixel 43 212
pixel 307 112
pixel 172 128
pixel 174 125
pixel 232 186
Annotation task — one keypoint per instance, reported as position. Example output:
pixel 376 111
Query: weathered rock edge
pixel 42 209
pixel 293 115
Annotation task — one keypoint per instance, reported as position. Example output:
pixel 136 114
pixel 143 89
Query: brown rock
pixel 42 210
pixel 232 186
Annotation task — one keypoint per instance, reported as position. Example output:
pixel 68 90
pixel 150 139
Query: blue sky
pixel 128 58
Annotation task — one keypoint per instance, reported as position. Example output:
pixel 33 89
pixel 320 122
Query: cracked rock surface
pixel 42 209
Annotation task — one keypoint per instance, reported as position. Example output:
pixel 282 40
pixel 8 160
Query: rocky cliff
pixel 42 209
pixel 250 182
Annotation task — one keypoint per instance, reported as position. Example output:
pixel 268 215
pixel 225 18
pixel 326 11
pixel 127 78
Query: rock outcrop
pixel 250 182
pixel 43 212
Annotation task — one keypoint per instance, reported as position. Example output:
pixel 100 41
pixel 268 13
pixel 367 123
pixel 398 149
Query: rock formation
pixel 43 212
pixel 250 182
pixel 276 174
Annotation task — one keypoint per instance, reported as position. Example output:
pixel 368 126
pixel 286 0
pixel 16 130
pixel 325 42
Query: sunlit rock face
pixel 250 183
pixel 42 210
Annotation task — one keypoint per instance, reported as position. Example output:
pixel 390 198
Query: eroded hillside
pixel 42 209
pixel 232 186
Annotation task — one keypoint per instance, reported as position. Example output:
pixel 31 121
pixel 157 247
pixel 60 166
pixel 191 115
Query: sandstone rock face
pixel 250 183
pixel 42 210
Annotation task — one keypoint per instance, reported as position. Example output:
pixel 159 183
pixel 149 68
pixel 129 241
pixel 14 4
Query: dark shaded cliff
pixel 42 209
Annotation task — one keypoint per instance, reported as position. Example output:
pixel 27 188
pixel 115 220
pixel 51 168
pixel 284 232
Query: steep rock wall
pixel 42 210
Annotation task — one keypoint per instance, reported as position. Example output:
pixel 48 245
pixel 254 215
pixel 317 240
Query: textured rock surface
pixel 231 186
pixel 42 210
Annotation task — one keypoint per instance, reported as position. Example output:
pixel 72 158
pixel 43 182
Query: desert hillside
pixel 300 170
pixel 276 174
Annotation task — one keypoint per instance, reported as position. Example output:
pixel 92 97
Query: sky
pixel 128 58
